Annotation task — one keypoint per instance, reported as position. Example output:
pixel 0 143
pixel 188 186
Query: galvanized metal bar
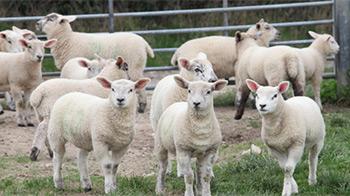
pixel 225 19
pixel 110 16
pixel 187 11
pixel 342 19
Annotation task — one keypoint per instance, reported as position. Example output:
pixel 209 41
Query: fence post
pixel 342 33
pixel 110 16
pixel 225 22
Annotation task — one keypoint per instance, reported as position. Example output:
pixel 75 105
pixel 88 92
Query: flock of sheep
pixel 93 105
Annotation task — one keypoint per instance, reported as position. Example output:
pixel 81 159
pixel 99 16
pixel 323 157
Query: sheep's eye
pixel 30 47
pixel 9 42
pixel 208 92
pixel 189 91
pixel 256 96
pixel 89 68
pixel 267 28
pixel 130 90
pixel 113 89
pixel 198 70
pixel 274 96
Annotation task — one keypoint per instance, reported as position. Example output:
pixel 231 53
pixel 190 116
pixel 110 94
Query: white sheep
pixel 268 66
pixel 190 130
pixel 82 68
pixel 289 127
pixel 314 59
pixel 46 94
pixel 221 50
pixel 21 73
pixel 27 34
pixel 133 48
pixel 105 126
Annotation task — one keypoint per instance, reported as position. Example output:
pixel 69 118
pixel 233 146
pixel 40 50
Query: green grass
pixel 247 175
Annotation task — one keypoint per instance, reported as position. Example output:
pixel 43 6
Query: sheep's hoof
pixel 50 153
pixel 141 108
pixel 238 117
pixel 87 189
pixel 34 154
pixel 1 112
pixel 21 125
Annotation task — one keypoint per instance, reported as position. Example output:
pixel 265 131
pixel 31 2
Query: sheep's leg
pixel 39 139
pixel 10 101
pixel 84 174
pixel 316 87
pixel 294 155
pixel 102 153
pixel 47 144
pixel 142 100
pixel 242 96
pixel 58 154
pixel 184 161
pixel 204 173
pixel 28 108
pixel 20 105
pixel 313 159
pixel 163 160
pixel 169 167
pixel 1 109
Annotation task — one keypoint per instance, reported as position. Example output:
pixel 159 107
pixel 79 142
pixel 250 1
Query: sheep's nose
pixel 39 57
pixel 120 100
pixel 262 106
pixel 196 104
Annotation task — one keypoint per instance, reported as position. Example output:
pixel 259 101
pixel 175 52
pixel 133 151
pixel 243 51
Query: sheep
pixel 289 127
pixel 266 66
pixel 190 130
pixel 21 73
pixel 104 126
pixel 314 60
pixel 47 93
pixel 133 48
pixel 221 50
pixel 27 34
pixel 83 68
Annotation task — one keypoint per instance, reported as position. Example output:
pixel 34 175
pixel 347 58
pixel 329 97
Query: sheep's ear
pixel 16 29
pixel 181 82
pixel 202 55
pixel 121 64
pixel 83 63
pixel 261 20
pixel 238 36
pixel 2 35
pixel 26 34
pixel 141 83
pixel 252 85
pixel 185 63
pixel 313 34
pixel 120 61
pixel 98 57
pixel 24 43
pixel 50 43
pixel 218 85
pixel 283 86
pixel 68 19
pixel 104 82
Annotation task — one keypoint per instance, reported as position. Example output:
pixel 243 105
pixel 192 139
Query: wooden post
pixel 225 22
pixel 342 34
pixel 110 16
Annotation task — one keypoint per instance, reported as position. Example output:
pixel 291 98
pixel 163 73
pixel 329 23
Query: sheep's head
pixel 11 41
pixel 328 43
pixel 27 34
pixel 267 98
pixel 115 69
pixel 36 48
pixel 264 32
pixel 95 66
pixel 54 22
pixel 200 93
pixel 123 92
pixel 198 68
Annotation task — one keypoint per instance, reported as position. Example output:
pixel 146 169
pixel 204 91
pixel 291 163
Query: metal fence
pixel 225 28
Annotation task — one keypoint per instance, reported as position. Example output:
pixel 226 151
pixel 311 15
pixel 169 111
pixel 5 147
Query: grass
pixel 236 175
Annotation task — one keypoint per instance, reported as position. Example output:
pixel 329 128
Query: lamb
pixel 314 60
pixel 82 68
pixel 221 50
pixel 21 73
pixel 190 130
pixel 268 66
pixel 106 126
pixel 133 48
pixel 47 93
pixel 27 34
pixel 289 127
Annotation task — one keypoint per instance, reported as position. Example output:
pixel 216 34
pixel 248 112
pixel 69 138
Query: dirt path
pixel 139 160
